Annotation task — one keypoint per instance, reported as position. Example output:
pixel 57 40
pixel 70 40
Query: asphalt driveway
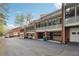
pixel 26 47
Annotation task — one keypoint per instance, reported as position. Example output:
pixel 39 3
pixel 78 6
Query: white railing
pixel 50 27
pixel 54 26
pixel 41 28
pixel 71 21
pixel 31 30
pixel 77 19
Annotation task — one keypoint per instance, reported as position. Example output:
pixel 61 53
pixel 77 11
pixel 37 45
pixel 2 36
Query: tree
pixel 3 16
pixel 28 18
pixel 23 20
pixel 19 19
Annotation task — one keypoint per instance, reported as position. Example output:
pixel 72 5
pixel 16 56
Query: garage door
pixel 74 34
pixel 57 36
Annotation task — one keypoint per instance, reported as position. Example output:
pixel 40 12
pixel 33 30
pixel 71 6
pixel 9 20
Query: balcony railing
pixel 41 28
pixel 77 19
pixel 72 21
pixel 53 27
pixel 30 30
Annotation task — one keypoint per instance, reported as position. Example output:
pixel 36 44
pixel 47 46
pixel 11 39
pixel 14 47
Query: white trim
pixel 73 24
pixel 75 12
pixel 30 32
pixel 58 29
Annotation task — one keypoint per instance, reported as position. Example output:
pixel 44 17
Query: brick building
pixel 16 32
pixel 61 25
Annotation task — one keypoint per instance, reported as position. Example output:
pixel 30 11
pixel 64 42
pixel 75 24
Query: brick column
pixel 63 28
pixel 36 35
pixel 67 35
pixel 46 35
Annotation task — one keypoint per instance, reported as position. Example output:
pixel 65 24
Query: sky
pixel 35 8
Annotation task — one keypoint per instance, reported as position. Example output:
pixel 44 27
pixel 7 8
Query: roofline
pixel 39 20
pixel 51 13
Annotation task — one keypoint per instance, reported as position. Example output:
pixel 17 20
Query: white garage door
pixel 74 34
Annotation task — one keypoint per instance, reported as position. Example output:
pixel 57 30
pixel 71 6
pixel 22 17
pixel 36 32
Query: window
pixel 49 22
pixel 38 25
pixel 57 21
pixel 45 24
pixel 60 20
pixel 77 9
pixel 41 24
pixel 70 12
pixel 54 22
pixel 73 32
pixel 77 32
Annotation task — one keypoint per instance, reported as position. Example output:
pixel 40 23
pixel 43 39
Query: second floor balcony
pixel 31 30
pixel 72 21
pixel 57 27
pixel 72 14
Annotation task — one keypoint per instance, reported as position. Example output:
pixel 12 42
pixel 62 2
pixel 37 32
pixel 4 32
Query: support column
pixel 36 35
pixel 63 27
pixel 67 35
pixel 25 32
pixel 46 35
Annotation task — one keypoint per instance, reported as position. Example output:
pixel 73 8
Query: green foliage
pixel 4 7
pixel 28 17
pixel 2 15
pixel 19 19
pixel 1 34
pixel 22 18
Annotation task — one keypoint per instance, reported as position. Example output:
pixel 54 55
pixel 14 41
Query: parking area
pixel 27 47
